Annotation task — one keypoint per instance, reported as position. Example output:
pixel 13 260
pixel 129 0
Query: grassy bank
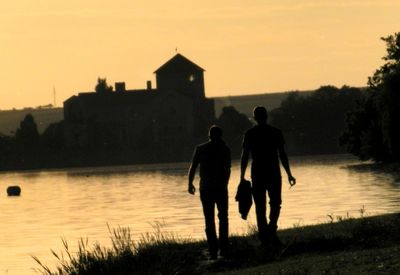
pixel 342 245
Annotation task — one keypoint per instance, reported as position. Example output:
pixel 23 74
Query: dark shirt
pixel 214 158
pixel 263 142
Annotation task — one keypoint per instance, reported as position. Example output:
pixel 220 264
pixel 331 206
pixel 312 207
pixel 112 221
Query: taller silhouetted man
pixel 266 146
pixel 214 158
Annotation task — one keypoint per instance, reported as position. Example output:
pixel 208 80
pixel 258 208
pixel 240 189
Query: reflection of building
pixel 156 122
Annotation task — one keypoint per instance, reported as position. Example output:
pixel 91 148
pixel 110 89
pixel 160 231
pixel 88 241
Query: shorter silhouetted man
pixel 214 159
pixel 266 146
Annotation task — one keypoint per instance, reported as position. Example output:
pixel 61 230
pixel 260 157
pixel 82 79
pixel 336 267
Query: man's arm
pixel 228 166
pixel 192 172
pixel 285 163
pixel 244 159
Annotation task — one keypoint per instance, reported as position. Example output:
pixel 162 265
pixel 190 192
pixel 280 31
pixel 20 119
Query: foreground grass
pixel 354 261
pixel 343 245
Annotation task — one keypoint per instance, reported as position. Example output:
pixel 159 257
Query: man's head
pixel 215 133
pixel 260 114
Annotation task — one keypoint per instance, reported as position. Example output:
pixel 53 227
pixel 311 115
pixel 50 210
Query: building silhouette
pixel 153 124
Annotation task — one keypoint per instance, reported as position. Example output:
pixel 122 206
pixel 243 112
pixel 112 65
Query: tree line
pixel 311 123
pixel 372 128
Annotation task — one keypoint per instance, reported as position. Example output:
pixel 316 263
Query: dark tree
pixel 313 123
pixel 54 136
pixel 233 125
pixel 7 150
pixel 372 128
pixel 27 134
pixel 102 86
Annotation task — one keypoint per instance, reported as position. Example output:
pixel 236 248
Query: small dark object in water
pixel 14 190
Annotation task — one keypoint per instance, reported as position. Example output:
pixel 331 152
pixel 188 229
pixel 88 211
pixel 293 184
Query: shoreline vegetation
pixel 342 245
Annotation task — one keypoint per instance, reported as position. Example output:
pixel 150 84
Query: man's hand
pixel 292 181
pixel 191 189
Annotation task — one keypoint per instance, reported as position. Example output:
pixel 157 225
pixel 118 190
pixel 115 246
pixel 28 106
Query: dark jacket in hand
pixel 244 197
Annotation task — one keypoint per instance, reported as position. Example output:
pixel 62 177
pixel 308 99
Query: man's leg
pixel 222 205
pixel 259 196
pixel 208 202
pixel 275 201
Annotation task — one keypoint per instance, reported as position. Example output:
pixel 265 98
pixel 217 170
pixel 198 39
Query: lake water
pixel 75 203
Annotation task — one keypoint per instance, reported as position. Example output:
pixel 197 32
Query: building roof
pixel 178 64
pixel 112 98
pixel 128 97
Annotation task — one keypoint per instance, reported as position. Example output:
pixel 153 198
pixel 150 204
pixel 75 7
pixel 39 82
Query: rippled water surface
pixel 75 203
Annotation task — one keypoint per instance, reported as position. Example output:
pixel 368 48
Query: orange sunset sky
pixel 246 47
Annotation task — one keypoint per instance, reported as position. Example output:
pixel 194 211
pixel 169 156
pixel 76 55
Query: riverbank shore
pixel 367 245
pixel 342 245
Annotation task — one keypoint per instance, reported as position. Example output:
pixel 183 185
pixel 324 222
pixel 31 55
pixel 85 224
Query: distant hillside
pixel 10 119
pixel 246 103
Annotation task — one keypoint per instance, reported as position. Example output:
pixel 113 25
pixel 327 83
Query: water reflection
pixel 174 169
pixel 75 203
pixel 384 173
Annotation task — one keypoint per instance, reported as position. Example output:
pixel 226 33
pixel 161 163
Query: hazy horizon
pixel 257 47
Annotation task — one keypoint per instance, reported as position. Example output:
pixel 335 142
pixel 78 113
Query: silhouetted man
pixel 266 146
pixel 214 158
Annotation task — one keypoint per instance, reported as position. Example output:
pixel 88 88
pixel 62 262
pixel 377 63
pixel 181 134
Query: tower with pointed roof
pixel 181 75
